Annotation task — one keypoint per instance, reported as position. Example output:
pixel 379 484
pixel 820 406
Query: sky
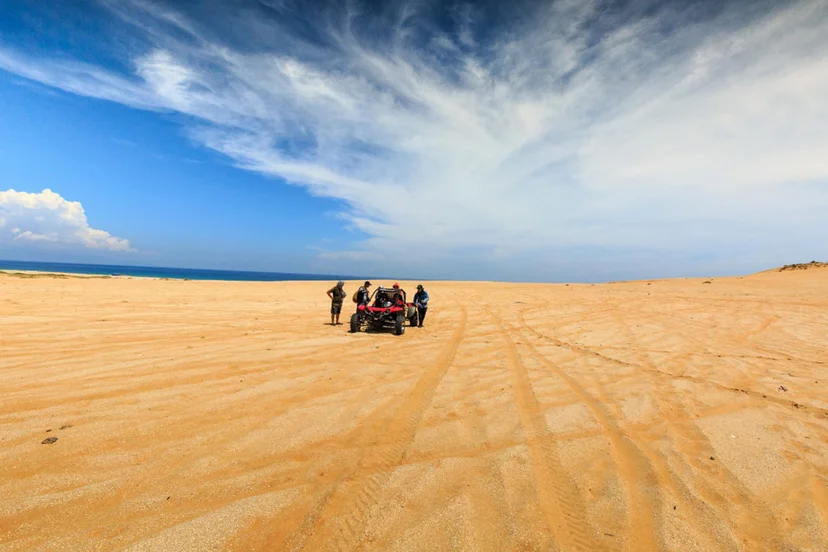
pixel 566 140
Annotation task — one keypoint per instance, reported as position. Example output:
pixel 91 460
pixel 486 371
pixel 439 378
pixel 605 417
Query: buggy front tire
pixel 354 323
pixel 399 324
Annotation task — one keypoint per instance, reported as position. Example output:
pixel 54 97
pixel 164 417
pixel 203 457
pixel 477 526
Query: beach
pixel 687 414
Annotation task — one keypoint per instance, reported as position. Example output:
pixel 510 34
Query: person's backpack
pixel 356 296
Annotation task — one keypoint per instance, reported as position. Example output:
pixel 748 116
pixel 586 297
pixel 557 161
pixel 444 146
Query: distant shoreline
pixel 95 270
pixel 36 269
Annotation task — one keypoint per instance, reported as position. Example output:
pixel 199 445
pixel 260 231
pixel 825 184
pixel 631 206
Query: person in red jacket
pixel 400 294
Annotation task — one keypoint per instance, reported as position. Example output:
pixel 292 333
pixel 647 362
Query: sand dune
pixel 664 415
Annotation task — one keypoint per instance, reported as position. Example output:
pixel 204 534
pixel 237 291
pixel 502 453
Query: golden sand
pixel 665 415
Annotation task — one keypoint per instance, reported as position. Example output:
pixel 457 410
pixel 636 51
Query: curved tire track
pixel 559 498
pixel 375 467
pixel 636 472
pixel 689 443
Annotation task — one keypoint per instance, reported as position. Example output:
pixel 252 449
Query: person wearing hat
pixel 363 294
pixel 337 295
pixel 400 293
pixel 421 302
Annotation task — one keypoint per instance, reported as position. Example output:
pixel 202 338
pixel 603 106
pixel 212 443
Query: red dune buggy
pixel 386 308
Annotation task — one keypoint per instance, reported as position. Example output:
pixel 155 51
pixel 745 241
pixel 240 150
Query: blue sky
pixel 541 141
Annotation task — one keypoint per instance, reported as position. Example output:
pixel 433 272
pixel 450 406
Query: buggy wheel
pixel 399 324
pixel 354 323
pixel 415 319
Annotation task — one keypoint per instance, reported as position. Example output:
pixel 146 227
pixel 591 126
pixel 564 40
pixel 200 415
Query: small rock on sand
pixel 48 440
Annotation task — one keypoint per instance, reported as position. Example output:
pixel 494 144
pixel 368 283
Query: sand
pixel 666 415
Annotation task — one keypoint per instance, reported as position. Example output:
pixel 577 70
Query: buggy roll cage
pixel 388 293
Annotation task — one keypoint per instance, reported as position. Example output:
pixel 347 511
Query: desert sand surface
pixel 683 415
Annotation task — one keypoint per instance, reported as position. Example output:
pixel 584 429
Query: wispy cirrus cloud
pixel 658 127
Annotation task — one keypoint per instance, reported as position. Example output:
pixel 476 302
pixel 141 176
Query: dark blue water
pixel 164 272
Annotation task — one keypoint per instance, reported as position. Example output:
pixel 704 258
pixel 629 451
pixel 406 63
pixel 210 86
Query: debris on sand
pixel 803 266
pixel 48 440
pixel 783 388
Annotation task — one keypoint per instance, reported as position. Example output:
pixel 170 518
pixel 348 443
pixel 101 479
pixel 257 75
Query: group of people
pixel 363 296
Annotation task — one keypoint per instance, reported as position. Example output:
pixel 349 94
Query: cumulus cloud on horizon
pixel 656 126
pixel 46 218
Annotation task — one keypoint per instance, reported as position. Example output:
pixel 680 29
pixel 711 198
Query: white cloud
pixel 46 217
pixel 79 78
pixel 580 126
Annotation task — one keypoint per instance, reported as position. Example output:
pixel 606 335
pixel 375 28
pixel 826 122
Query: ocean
pixel 165 272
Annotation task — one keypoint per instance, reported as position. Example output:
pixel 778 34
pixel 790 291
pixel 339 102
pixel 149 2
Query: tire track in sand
pixel 347 532
pixel 680 493
pixel 559 498
pixel 635 470
pixel 712 488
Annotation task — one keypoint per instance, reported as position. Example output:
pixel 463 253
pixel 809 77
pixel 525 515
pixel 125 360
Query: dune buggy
pixel 386 308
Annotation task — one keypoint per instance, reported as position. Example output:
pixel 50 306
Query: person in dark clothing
pixel 363 294
pixel 337 295
pixel 421 302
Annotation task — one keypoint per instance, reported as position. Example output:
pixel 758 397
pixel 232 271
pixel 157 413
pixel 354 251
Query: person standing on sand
pixel 421 302
pixel 337 295
pixel 363 294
